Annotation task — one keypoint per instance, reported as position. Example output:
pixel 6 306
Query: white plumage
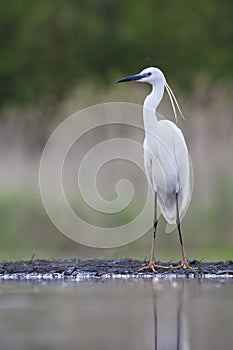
pixel 166 157
pixel 166 161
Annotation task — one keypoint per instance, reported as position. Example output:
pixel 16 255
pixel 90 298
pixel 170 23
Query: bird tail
pixel 168 208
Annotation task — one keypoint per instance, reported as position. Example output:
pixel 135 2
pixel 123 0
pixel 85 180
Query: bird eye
pixel 148 74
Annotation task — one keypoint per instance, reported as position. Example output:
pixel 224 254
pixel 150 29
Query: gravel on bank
pixel 77 269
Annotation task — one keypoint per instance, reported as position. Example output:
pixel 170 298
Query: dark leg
pixel 184 264
pixel 154 232
pixel 152 265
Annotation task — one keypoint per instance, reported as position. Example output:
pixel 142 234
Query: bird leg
pixel 184 264
pixel 152 266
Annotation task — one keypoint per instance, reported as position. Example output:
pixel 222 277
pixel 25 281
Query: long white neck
pixel 150 106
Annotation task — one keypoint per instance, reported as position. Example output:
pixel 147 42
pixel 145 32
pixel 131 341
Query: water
pixel 117 314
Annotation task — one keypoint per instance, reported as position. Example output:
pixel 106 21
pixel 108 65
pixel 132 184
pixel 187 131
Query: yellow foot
pixel 152 266
pixel 185 265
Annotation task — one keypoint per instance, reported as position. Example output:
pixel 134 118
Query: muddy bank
pixel 77 269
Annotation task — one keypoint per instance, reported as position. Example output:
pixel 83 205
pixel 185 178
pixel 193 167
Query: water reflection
pixel 175 324
pixel 117 314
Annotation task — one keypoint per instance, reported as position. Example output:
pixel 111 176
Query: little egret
pixel 166 159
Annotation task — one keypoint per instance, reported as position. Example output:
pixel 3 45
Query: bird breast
pixel 160 163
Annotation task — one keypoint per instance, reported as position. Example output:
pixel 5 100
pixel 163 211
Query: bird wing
pixel 184 169
pixel 155 156
pixel 161 168
pixel 167 166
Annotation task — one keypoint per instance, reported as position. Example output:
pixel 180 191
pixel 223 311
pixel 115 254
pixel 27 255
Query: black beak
pixel 133 77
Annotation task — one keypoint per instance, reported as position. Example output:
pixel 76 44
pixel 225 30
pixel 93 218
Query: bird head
pixel 149 75
pixel 155 76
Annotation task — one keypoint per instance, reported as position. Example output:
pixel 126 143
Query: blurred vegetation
pixel 58 56
pixel 26 232
pixel 48 47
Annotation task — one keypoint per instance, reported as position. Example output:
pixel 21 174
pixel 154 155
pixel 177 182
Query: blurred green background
pixel 59 56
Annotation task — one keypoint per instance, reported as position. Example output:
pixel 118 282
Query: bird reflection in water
pixel 171 329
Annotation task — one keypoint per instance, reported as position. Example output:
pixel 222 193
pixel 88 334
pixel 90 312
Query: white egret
pixel 166 158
